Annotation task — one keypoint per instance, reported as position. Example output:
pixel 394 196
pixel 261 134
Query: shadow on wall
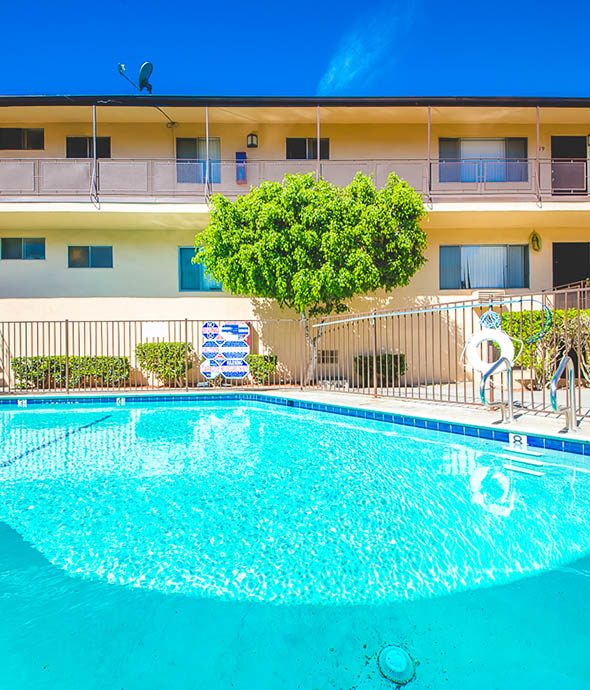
pixel 416 349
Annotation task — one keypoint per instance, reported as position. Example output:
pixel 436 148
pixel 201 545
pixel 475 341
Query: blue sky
pixel 298 48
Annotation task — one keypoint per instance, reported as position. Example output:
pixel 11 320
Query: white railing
pixel 157 178
pixel 569 410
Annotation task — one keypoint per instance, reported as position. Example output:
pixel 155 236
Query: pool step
pixel 524 461
pixel 523 470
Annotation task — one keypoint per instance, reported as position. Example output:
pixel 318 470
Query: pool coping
pixel 487 432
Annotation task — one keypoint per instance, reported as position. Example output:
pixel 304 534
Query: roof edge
pixel 295 101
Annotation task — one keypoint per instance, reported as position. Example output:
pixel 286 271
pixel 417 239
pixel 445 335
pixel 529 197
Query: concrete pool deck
pixel 543 423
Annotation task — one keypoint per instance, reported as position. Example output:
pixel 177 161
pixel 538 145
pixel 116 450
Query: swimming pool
pixel 204 544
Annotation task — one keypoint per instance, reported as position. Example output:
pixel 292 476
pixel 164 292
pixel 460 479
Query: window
pixel 328 356
pixel 192 277
pixel 19 139
pixel 83 147
pixel 484 266
pixel 483 160
pixel 307 149
pixel 90 257
pixel 23 248
pixel 191 159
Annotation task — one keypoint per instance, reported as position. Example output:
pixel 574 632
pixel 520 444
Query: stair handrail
pixel 569 411
pixel 506 408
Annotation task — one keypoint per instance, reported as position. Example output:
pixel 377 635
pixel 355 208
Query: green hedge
pixel 541 357
pixel 262 367
pixel 50 372
pixel 390 369
pixel 166 361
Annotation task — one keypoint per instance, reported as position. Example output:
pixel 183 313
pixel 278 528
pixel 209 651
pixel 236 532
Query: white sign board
pixel 154 329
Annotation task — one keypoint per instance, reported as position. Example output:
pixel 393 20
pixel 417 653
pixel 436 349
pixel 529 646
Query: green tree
pixel 312 246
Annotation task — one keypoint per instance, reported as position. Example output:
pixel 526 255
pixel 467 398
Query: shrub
pixel 390 369
pixel 50 372
pixel 262 367
pixel 166 361
pixel 541 357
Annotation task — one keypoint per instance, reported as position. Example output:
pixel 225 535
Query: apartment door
pixel 568 165
pixel 571 262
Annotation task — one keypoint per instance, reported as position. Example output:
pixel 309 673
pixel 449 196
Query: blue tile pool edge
pixel 469 430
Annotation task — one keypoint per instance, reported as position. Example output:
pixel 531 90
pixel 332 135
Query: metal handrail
pixel 569 410
pixel 148 176
pixel 507 409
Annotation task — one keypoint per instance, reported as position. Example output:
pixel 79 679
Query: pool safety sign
pixel 225 347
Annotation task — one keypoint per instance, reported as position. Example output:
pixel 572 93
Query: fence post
pixel 186 354
pixel 374 324
pixel 67 323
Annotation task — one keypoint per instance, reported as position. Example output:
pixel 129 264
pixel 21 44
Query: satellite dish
pixel 145 73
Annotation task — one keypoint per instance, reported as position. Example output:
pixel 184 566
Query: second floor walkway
pixel 194 180
pixel 121 149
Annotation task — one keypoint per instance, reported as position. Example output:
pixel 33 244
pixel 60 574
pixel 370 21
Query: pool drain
pixel 396 664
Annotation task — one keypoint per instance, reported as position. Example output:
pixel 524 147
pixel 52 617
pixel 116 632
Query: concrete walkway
pixel 526 422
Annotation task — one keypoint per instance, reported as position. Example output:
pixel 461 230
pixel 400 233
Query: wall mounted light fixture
pixel 252 141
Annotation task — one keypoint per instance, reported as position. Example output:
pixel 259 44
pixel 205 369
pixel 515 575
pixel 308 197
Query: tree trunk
pixel 312 341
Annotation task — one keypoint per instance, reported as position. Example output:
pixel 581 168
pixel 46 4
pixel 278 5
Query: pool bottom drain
pixel 396 664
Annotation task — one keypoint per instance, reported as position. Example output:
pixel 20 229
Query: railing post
pixel 186 354
pixel 318 157
pixel 374 324
pixel 429 163
pixel 67 325
pixel 510 381
pixel 507 409
pixel 537 161
pixel 568 410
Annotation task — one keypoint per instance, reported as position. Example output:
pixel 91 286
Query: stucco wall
pixel 347 141
pixel 144 282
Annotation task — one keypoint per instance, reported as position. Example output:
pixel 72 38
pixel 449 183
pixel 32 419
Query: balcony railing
pixel 192 180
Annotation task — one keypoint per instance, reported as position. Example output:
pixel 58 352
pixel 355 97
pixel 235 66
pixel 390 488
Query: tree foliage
pixel 313 246
pixel 570 331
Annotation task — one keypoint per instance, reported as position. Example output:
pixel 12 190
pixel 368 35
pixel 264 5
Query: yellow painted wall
pixel 144 278
pixel 347 141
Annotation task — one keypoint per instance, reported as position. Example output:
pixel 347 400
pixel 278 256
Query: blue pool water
pixel 238 544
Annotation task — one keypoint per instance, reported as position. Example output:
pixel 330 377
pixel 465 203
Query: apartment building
pixel 101 196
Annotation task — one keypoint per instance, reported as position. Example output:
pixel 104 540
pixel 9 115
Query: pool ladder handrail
pixel 506 408
pixel 569 410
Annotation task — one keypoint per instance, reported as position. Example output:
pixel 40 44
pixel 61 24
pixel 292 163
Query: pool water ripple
pixel 243 501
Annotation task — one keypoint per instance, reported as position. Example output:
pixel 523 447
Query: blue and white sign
pixel 225 349
pixel 235 349
pixel 210 329
pixel 209 349
pixel 235 369
pixel 239 329
pixel 209 369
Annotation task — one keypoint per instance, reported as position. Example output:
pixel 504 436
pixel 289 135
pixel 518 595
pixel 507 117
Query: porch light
pixel 252 141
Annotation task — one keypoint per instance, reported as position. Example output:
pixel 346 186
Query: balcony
pixel 189 181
